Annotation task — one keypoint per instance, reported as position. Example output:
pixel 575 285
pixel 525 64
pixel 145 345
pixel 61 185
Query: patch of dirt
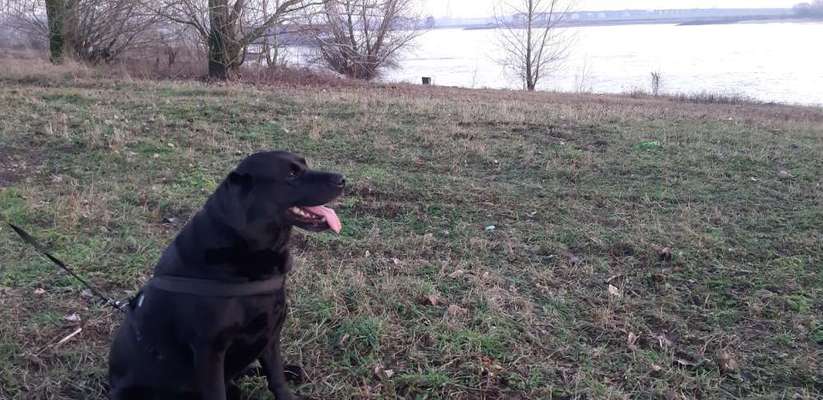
pixel 366 191
pixel 494 124
pixel 598 146
pixel 15 164
pixel 386 209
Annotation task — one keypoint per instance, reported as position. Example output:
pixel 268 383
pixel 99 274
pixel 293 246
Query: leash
pixel 118 305
pixel 192 286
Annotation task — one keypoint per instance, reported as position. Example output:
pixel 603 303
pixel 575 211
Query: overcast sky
pixel 483 8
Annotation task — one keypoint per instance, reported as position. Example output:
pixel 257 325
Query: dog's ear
pixel 243 181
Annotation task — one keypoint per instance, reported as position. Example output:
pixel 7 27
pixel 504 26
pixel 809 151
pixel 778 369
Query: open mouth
pixel 316 218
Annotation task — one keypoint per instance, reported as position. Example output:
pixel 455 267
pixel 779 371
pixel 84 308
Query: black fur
pixel 180 346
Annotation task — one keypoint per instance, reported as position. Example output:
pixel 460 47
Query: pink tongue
pixel 329 215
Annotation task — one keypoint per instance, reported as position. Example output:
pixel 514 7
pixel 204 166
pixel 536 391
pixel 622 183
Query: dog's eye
pixel 294 171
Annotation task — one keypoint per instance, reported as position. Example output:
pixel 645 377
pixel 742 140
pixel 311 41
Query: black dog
pixel 217 300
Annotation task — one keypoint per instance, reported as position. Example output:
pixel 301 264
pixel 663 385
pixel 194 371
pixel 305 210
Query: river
pixel 775 62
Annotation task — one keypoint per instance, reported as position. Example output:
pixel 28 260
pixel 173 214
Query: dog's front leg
pixel 209 372
pixel 272 362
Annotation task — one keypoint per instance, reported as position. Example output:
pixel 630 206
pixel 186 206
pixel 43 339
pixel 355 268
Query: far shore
pixel 664 21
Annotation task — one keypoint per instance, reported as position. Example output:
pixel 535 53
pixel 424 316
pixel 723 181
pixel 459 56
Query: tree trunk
pixel 529 74
pixel 217 44
pixel 55 13
pixel 171 53
pixel 217 70
pixel 266 49
pixel 267 52
pixel 62 24
pixel 225 50
pixel 219 59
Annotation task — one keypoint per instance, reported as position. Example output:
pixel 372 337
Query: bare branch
pixel 531 38
pixel 359 37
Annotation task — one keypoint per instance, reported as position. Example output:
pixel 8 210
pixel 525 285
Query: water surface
pixel 767 61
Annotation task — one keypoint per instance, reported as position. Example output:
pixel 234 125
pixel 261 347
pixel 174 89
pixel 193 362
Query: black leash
pixel 40 249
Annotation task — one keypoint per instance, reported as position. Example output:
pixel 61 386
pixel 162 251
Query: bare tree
pixel 28 19
pixel 228 27
pixel 102 30
pixel 581 80
pixel 656 82
pixel 359 37
pixel 531 39
pixel 88 29
pixel 271 46
pixel 177 45
pixel 9 37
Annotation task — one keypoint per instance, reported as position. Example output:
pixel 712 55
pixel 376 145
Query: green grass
pixel 705 219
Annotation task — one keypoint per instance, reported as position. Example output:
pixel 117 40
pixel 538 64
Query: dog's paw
pixel 286 395
pixel 294 374
pixel 233 392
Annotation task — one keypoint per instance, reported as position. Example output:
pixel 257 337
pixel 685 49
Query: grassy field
pixel 496 244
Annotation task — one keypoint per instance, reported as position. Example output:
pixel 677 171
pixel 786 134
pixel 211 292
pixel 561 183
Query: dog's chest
pixel 260 326
pixel 167 325
pixel 245 343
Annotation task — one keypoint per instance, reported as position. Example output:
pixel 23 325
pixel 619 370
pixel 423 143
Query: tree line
pixel 813 9
pixel 354 37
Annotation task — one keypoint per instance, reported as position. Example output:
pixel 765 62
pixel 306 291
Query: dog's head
pixel 275 190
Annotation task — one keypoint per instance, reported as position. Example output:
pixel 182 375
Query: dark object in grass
pixel 197 324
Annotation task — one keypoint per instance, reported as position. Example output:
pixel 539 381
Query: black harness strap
pixel 212 288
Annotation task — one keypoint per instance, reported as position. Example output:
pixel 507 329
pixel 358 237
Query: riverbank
pixel 666 21
pixel 495 244
pixel 650 17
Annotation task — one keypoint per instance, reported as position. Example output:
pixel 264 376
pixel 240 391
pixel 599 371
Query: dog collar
pixel 212 288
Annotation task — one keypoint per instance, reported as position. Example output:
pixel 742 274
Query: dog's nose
pixel 339 180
